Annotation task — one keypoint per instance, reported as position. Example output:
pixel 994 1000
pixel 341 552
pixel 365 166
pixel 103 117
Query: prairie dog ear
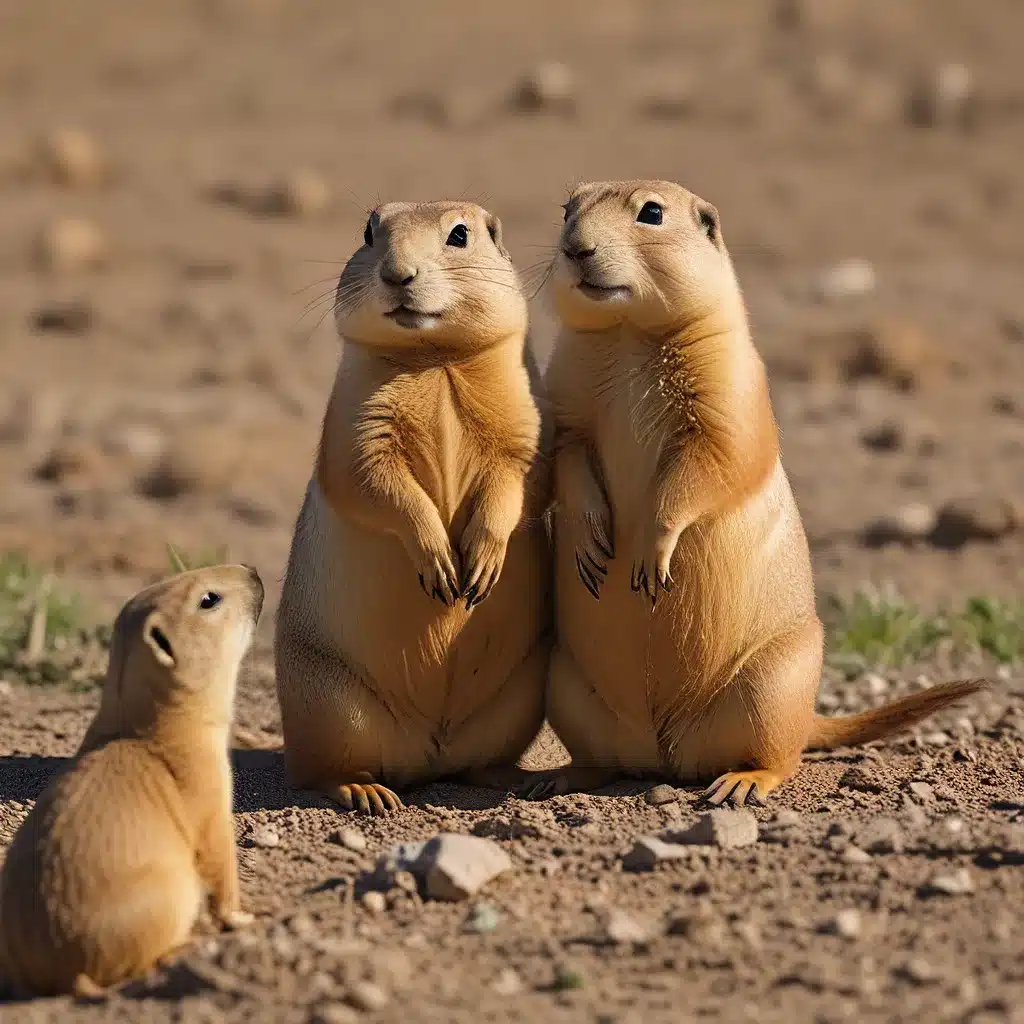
pixel 157 639
pixel 494 230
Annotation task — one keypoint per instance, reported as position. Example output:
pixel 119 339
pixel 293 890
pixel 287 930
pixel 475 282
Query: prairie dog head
pixel 648 254
pixel 177 649
pixel 430 275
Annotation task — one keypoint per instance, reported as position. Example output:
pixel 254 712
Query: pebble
pixel 649 851
pixel 787 817
pixel 451 866
pixel 368 997
pixel 723 827
pixel 74 316
pixel 909 524
pixel 913 814
pixel 876 685
pixel 944 98
pixel 483 918
pixel 981 517
pixel 846 924
pixel 886 437
pixel 661 794
pixel 507 983
pixel 334 1013
pixel 374 902
pixel 919 971
pixel 851 279
pixel 549 87
pixel 350 838
pixel 922 790
pixel 70 245
pixel 265 837
pixel 621 928
pixel 855 855
pixel 72 157
pixel 958 883
pixel 880 835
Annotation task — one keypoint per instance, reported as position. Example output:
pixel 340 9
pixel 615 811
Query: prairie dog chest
pixel 629 426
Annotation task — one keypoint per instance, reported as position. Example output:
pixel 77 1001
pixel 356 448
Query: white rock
pixel 847 924
pixel 368 997
pixel 374 902
pixel 648 851
pixel 622 929
pixel 877 685
pixel 71 157
pixel 450 866
pixel 722 827
pixel 265 837
pixel 958 883
pixel 507 983
pixel 351 839
pixel 71 244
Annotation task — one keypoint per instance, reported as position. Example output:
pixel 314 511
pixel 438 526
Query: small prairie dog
pixel 413 631
pixel 688 645
pixel 109 872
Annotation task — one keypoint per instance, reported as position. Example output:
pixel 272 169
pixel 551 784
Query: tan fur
pixel 702 656
pixel 427 490
pixel 110 870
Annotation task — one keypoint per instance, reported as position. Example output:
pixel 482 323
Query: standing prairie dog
pixel 701 656
pixel 110 870
pixel 413 630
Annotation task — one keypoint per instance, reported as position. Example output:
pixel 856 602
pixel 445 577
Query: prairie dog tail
pixel 851 730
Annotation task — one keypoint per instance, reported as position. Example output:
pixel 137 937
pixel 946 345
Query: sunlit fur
pixel 701 656
pixel 413 631
pixel 111 868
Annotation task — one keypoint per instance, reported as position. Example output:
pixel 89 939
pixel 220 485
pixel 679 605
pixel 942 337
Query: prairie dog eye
pixel 650 213
pixel 209 600
pixel 458 236
pixel 708 223
pixel 368 233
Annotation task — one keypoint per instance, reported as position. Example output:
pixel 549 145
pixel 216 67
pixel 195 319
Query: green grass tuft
pixel 878 630
pixel 182 561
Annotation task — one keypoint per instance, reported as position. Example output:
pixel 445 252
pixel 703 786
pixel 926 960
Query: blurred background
pixel 180 184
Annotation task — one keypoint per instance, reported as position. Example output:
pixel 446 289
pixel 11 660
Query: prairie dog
pixel 413 630
pixel 110 870
pixel 701 656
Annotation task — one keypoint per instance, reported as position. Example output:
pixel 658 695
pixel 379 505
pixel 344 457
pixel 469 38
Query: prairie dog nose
pixel 397 273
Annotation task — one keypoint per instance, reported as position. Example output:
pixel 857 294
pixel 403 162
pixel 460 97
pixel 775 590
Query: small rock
pixel 846 924
pixel 649 851
pixel 74 316
pixel 548 87
pixel 70 245
pixel 880 835
pixel 913 814
pixel 622 929
pixel 71 157
pixel 374 902
pixel 451 866
pixel 886 437
pixel 722 827
pixel 944 98
pixel 910 524
pixel 368 997
pixel 350 838
pixel 860 779
pixel 876 685
pixel 919 971
pixel 298 194
pixel 138 441
pixel 507 983
pixel 334 1013
pixel 922 790
pixel 855 855
pixel 265 837
pixel 70 458
pixel 661 794
pixel 850 279
pixel 785 817
pixel 958 883
pixel 936 739
pixel 976 518
pixel 483 918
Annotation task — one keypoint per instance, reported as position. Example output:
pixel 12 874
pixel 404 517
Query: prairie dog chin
pixel 112 866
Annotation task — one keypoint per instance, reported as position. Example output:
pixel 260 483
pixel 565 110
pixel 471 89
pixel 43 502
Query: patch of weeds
pixel 43 634
pixel 879 630
pixel 183 561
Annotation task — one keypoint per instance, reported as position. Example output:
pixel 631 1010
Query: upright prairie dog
pixel 413 631
pixel 110 870
pixel 701 656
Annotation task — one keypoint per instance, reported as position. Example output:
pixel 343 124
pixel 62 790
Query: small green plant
pixel 183 561
pixel 878 629
pixel 34 613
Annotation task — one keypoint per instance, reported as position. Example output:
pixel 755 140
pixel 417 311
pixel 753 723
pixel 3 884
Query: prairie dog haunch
pixel 688 642
pixel 412 635
pixel 112 866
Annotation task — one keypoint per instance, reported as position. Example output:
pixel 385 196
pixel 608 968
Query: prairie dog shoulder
pixel 110 869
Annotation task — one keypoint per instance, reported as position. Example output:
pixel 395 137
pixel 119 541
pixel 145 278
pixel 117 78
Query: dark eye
pixel 458 236
pixel 709 223
pixel 368 233
pixel 650 213
pixel 209 600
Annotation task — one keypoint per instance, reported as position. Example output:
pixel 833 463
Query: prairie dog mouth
pixel 412 319
pixel 600 293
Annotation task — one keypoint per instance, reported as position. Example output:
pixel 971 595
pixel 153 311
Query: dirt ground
pixel 166 368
